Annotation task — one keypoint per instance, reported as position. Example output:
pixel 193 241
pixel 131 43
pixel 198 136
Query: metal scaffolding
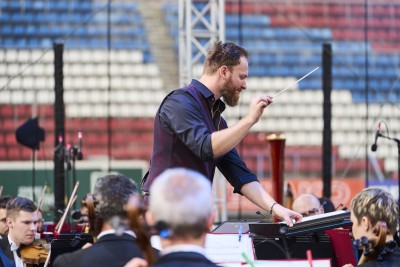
pixel 200 25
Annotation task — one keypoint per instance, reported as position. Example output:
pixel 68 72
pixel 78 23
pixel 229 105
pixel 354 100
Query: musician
pixel 22 225
pixel 328 205
pixel 3 212
pixel 115 244
pixel 190 132
pixel 182 207
pixel 307 205
pixel 40 221
pixel 369 208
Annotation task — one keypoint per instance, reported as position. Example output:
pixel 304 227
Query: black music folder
pixel 232 227
pixel 278 241
pixel 68 242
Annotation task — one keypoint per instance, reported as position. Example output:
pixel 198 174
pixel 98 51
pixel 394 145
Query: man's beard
pixel 230 93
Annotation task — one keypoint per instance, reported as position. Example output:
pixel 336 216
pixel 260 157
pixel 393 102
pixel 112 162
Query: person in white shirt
pixel 22 225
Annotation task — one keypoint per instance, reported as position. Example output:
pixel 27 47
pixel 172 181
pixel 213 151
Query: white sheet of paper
pixel 225 248
pixel 292 263
pixel 282 263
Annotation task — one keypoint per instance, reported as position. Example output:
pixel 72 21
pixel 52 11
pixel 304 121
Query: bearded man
pixel 190 132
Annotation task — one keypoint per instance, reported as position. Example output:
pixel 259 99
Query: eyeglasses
pixel 312 212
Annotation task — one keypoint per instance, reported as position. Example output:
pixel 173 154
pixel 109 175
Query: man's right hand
pixel 257 106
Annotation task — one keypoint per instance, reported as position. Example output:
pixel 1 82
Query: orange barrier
pixel 343 190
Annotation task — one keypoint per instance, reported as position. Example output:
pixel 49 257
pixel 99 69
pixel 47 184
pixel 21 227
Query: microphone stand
pixel 74 157
pixel 74 152
pixel 398 161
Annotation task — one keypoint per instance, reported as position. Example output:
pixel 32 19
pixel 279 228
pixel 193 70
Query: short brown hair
pixel 4 200
pixel 17 204
pixel 223 54
pixel 377 205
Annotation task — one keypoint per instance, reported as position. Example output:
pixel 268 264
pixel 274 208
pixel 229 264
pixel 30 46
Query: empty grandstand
pixel 120 60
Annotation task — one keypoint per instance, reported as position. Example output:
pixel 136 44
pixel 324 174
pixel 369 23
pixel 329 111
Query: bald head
pixel 307 205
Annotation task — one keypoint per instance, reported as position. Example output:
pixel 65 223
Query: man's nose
pixel 33 226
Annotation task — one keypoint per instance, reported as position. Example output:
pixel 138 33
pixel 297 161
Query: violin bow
pixel 41 197
pixel 70 202
pixel 61 222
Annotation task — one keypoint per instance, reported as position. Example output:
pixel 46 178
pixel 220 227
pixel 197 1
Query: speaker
pixel 30 134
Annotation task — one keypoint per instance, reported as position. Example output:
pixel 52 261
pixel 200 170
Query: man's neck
pixel 211 83
pixel 106 226
pixel 12 240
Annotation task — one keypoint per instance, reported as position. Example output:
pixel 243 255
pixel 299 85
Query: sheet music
pixel 225 248
pixel 222 248
pixel 283 263
pixel 323 215
pixel 320 216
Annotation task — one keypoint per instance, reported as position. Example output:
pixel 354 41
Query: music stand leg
pixel 288 250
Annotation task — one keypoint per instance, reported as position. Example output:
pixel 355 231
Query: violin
pixel 90 203
pixel 372 247
pixel 35 253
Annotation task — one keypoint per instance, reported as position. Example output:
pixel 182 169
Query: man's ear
pixel 9 222
pixel 223 71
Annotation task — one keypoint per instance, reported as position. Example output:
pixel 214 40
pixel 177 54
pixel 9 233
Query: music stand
pixel 281 246
pixel 68 242
pixel 232 227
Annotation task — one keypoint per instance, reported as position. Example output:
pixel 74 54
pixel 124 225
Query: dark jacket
pixel 6 255
pixel 388 257
pixel 109 251
pixel 187 259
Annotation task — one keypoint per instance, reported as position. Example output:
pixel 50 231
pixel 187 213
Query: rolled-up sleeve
pixel 235 170
pixel 181 114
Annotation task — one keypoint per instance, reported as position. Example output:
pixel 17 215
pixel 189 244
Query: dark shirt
pixel 186 259
pixel 7 256
pixel 181 114
pixel 388 257
pixel 109 251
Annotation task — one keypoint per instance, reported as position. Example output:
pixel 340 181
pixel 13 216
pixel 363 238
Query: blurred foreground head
pixel 182 200
pixel 112 193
